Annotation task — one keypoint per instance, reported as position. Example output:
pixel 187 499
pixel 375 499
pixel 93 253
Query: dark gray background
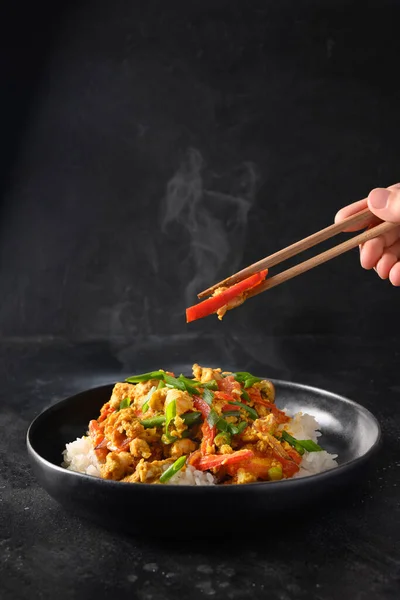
pixel 148 149
pixel 153 148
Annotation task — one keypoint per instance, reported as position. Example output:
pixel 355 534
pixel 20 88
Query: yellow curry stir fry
pixel 156 424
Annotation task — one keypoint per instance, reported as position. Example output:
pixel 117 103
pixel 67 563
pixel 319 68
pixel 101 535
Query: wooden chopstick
pixel 300 246
pixel 315 261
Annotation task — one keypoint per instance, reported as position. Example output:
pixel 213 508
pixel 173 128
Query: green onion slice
pixel 145 377
pixel 213 417
pixel 174 382
pixel 208 396
pixel 170 414
pixel 301 445
pixel 252 412
pixel 145 405
pixel 125 403
pixel 157 421
pixel 173 469
pixel 190 418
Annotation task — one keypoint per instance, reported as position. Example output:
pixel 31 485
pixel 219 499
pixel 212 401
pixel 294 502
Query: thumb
pixel 385 203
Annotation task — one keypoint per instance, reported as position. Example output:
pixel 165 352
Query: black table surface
pixel 350 550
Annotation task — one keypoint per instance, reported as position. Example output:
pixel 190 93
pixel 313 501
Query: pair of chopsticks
pixel 361 218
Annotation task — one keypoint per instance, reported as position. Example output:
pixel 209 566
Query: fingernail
pixel 379 198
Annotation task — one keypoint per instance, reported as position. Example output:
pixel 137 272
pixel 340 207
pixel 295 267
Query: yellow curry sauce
pixel 156 424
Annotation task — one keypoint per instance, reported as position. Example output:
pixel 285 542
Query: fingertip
pixel 385 264
pixel 385 204
pixel 339 216
pixel 377 198
pixel 371 252
pixel 394 275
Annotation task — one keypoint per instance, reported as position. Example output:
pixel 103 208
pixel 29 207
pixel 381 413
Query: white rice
pixel 80 456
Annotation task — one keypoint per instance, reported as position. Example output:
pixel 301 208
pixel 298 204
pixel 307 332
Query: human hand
pixel 381 253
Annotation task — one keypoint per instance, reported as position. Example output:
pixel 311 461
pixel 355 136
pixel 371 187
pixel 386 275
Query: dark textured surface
pixel 350 550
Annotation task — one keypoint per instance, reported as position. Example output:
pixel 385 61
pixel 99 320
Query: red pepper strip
pixel 207 443
pixel 98 438
pixel 95 432
pixel 294 455
pixel 194 458
pixel 206 429
pixel 224 396
pixel 211 305
pixel 105 412
pixel 124 444
pixel 229 385
pixel 103 444
pixel 202 406
pixel 281 417
pixel 289 468
pixel 227 407
pixel 218 460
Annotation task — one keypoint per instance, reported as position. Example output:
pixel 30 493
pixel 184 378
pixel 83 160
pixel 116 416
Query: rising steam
pixel 214 211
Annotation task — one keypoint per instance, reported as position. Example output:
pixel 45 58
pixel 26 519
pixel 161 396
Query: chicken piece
pixel 264 448
pixel 117 465
pixel 249 435
pixel 243 476
pixel 157 400
pixel 267 424
pixel 179 427
pixel 205 374
pixel 181 447
pixel 140 448
pixel 184 402
pixel 257 468
pixel 147 472
pixel 151 435
pixel 225 449
pixel 120 392
pixel 142 390
pixel 121 425
pixel 276 446
pixel 234 303
pixel 267 389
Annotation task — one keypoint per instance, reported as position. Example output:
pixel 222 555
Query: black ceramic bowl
pixel 349 430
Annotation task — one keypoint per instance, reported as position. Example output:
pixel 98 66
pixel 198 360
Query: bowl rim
pixel 329 475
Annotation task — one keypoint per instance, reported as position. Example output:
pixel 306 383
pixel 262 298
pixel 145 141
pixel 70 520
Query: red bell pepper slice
pixel 280 416
pixel 97 435
pixel 206 429
pixel 229 385
pixel 202 406
pixel 211 305
pixel 224 396
pixel 207 442
pixel 105 412
pixel 219 460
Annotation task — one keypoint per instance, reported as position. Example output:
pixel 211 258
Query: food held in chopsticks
pixel 253 287
pixel 215 428
pixel 225 298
